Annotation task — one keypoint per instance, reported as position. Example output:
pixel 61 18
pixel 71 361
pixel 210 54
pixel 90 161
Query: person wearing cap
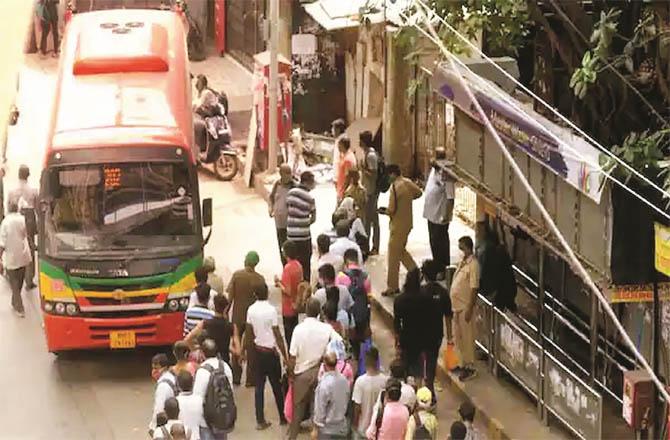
pixel 241 291
pixel 214 280
pixel 467 413
pixel 26 198
pixel 423 422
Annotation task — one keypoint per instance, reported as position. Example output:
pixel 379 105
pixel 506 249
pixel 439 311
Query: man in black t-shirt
pixel 219 329
pixel 439 310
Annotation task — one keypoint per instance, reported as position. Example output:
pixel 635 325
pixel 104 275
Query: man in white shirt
pixel 202 379
pixel 191 411
pixel 308 345
pixel 327 278
pixel 201 277
pixel 437 210
pixel 366 392
pixel 172 413
pixel 325 256
pixel 165 386
pixel 15 253
pixel 342 243
pixel 26 198
pixel 262 341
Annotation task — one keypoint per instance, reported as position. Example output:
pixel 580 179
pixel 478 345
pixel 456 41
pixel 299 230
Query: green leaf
pixel 586 59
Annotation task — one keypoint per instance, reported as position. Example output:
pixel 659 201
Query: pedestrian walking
pixel 163 431
pixel 367 389
pixel 407 391
pixel 326 256
pixel 219 329
pixel 347 162
pixel 330 402
pixel 309 343
pixel 181 352
pixel 439 318
pixel 467 413
pixel 199 311
pixel 166 387
pixel 390 422
pixel 458 431
pixel 265 343
pixel 327 278
pixel 289 283
pixel 242 292
pixel 278 205
pixel 15 253
pixel 348 212
pixel 201 276
pixel 423 423
pixel 47 11
pixel 356 280
pixel 357 193
pixel 438 208
pixel 301 215
pixel 342 243
pixel 337 129
pixel 213 366
pixel 410 311
pixel 402 194
pixel 190 405
pixel 26 198
pixel 213 279
pixel 463 295
pixel 370 168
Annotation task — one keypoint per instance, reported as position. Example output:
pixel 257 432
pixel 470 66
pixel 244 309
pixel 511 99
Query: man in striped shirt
pixel 198 311
pixel 301 215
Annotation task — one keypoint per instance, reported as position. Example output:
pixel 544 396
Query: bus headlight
pixel 60 308
pixel 71 309
pixel 48 307
pixel 183 303
pixel 173 305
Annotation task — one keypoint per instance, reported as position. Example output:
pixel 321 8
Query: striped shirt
pixel 194 315
pixel 301 208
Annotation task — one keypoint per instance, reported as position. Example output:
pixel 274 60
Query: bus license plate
pixel 122 339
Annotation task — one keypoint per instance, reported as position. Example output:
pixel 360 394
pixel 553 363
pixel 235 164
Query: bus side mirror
pixel 207 212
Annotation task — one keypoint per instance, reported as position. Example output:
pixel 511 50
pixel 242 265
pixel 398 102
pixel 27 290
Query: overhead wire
pixel 574 261
pixel 539 99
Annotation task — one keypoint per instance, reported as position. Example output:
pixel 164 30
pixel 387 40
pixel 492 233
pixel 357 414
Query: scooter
pixel 218 151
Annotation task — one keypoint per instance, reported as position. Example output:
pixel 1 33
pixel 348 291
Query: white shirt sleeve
pixel 3 234
pixel 357 394
pixel 163 393
pixel 293 351
pixel 200 382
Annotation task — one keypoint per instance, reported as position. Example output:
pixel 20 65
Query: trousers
pixel 304 248
pixel 268 366
pixel 372 220
pixel 281 239
pixel 49 26
pixel 464 338
pixel 438 235
pixel 397 253
pixel 16 277
pixel 290 323
pixel 236 365
pixel 304 385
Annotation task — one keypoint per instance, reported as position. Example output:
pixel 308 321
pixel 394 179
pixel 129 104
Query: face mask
pixel 155 374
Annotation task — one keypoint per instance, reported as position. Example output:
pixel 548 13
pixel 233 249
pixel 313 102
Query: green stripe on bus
pixel 185 268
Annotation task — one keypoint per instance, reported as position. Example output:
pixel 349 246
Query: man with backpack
pixel 327 278
pixel 422 424
pixel 357 281
pixel 166 386
pixel 214 384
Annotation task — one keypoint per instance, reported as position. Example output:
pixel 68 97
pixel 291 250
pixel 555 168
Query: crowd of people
pixel 325 368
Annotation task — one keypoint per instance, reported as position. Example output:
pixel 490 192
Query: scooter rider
pixel 204 106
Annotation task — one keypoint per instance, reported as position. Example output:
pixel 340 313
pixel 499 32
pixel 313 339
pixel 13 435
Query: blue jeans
pixel 207 434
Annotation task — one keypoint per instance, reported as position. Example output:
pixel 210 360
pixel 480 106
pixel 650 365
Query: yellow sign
pixel 122 339
pixel 638 293
pixel 662 253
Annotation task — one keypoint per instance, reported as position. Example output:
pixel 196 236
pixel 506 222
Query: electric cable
pixel 574 261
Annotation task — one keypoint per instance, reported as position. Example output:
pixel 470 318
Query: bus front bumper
pixel 71 333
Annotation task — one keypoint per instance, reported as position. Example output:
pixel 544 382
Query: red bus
pixel 120 222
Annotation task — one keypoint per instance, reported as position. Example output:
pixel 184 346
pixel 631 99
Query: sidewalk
pixel 503 408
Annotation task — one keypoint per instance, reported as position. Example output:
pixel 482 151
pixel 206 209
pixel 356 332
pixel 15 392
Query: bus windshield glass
pixel 116 207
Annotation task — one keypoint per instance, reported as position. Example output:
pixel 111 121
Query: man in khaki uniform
pixel 402 194
pixel 463 293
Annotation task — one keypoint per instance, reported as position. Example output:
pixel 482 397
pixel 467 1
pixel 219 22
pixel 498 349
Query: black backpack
pixel 383 179
pixel 219 403
pixel 421 432
pixel 361 308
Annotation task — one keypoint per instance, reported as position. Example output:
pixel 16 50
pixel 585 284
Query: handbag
pixel 288 403
pixel 450 357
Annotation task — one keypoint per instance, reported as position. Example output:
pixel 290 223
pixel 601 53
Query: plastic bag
pixel 288 403
pixel 450 357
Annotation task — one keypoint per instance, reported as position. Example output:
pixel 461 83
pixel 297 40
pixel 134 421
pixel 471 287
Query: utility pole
pixel 272 87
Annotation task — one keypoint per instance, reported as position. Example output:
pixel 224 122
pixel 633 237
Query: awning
pixel 570 156
pixel 342 14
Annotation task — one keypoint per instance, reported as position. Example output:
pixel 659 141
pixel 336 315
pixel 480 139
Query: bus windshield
pixel 116 207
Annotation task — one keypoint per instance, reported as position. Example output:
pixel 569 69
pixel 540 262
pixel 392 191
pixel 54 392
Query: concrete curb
pixel 495 428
